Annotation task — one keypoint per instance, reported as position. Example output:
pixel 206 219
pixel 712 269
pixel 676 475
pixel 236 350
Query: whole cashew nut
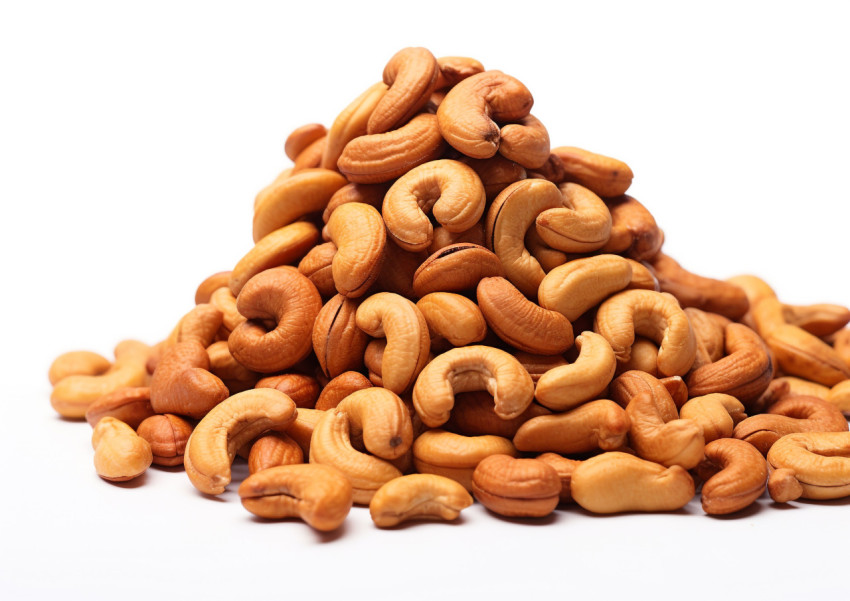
pixel 411 75
pixel 418 497
pixel 735 475
pixel 568 386
pixel 606 176
pixel 818 461
pixel 119 453
pixel 360 237
pixel 582 224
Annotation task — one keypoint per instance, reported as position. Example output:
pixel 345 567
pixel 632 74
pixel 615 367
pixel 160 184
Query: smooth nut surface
pixel 119 453
pixel 516 487
pixel 418 497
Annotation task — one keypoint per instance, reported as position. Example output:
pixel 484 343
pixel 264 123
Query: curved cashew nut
pixel 77 363
pixel 360 237
pixel 606 176
pixel 516 487
pixel 715 413
pixel 594 425
pixel 370 194
pixel 790 415
pixel 288 298
pixel 302 137
pixel 455 456
pixel 471 368
pixel 130 405
pixel 452 317
pixel 513 211
pixel 303 390
pixel 351 123
pixel 227 427
pixel 411 75
pixel 568 386
pixel 744 372
pixel 73 394
pixel 468 114
pixel 451 189
pixel 656 315
pixel 205 289
pixel 658 438
pixel 380 418
pixel 818 461
pixel 119 453
pixel 575 287
pixel 521 323
pixel 582 224
pixel 644 358
pixel 392 316
pixel 735 475
pixel 377 158
pixel 634 231
pixel 318 494
pixel 839 395
pixel 331 445
pixel 525 141
pixel 305 192
pixel 455 268
pixel 310 157
pixel 280 247
pixel 417 497
pixel 613 482
pixel 822 319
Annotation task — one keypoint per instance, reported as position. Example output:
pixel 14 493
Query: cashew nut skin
pixel 318 494
pixel 360 236
pixel 467 115
pixel 392 316
pixel 418 497
pixel 615 482
pixel 119 453
pixel 656 315
pixel 411 75
pixel 568 386
pixel 303 390
pixel 229 425
pixel 471 368
pixel 735 475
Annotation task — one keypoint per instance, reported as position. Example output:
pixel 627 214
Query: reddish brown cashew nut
pixel 289 299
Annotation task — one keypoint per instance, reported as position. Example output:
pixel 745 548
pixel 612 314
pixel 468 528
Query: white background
pixel 134 138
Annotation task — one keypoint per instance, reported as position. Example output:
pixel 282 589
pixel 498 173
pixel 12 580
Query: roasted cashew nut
pixel 381 419
pixel 418 497
pixel 582 224
pixel 360 236
pixel 606 176
pixel 516 487
pixel 576 286
pixel 735 475
pixel 525 141
pixel 119 453
pixel 818 461
pixel 600 424
pixel 564 387
pixel 337 341
pixel 351 123
pixel 455 456
pixel 411 75
pixel 471 368
pixel 453 318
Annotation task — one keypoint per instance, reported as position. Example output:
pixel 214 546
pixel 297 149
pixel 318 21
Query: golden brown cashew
pixel 301 138
pixel 273 449
pixel 694 290
pixel 709 329
pixel 77 363
pixel 379 158
pixel 280 247
pixel 473 415
pixel 455 268
pixel 73 394
pixel 301 430
pixel 819 462
pixel 351 123
pixel 820 319
pixel 471 368
pixel 744 372
pixel 411 75
pixel 565 468
pixel 788 416
pixel 452 317
pixel 224 300
pixel 288 298
pixel 797 352
pixel 444 238
pixel 337 341
pixel 568 386
pixel 521 323
pixel 130 405
pixel 575 287
pixel 360 237
pixel 224 366
pixel 317 267
pixel 305 192
pixel 303 390
pixel 397 272
pixel 658 435
pixel 398 320
pixel 606 176
pixel 516 487
pixel 525 141
pixel 656 315
pixel 644 358
pixel 839 396
pixel 594 425
pixel 508 219
pixel 548 257
pixel 227 427
pixel 119 453
pixel 455 456
pixel 318 494
pixel 310 157
pixel 418 497
pixel 370 194
pixel 537 365
pixel 205 289
pixel 340 387
pixel 735 475
pixel 715 413
pixel 634 232
pixel 614 482
pixel 167 435
pixel 582 224
pixel 331 445
pixel 454 69
pixel 468 114
pixel 451 189
pixel 496 173
pixel 380 419
pixel 841 344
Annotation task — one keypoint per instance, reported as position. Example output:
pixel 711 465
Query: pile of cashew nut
pixel 439 306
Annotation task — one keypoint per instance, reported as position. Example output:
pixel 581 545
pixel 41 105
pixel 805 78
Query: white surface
pixel 133 140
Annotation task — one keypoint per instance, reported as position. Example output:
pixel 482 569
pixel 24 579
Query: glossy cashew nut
pixel 380 419
pixel 525 141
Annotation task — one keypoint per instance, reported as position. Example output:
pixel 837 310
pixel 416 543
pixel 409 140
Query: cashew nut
pixel 418 497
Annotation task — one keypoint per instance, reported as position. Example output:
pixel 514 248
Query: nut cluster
pixel 440 306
